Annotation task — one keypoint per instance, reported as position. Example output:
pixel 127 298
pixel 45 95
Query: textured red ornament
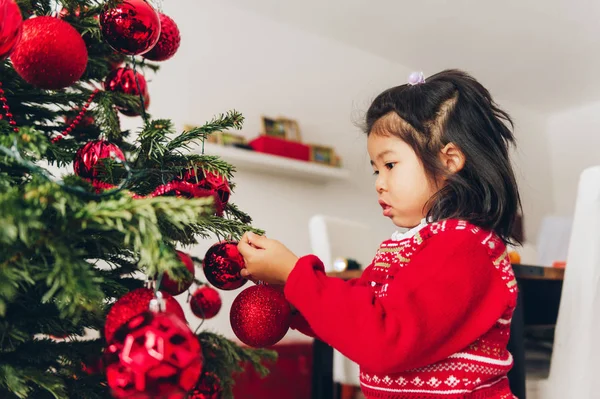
pixel 210 181
pixel 51 53
pixel 222 265
pixel 131 27
pixel 89 156
pixel 132 304
pixel 208 387
pixel 168 42
pixel 184 189
pixel 11 24
pixel 260 316
pixel 154 355
pixel 122 80
pixel 206 302
pixel 177 287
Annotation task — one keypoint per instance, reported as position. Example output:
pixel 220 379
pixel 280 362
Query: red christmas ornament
pixel 206 302
pixel 51 53
pixel 154 355
pixel 260 316
pixel 209 181
pixel 131 27
pixel 123 80
pixel 168 42
pixel 90 155
pixel 208 387
pixel 222 265
pixel 134 303
pixel 177 287
pixel 183 189
pixel 11 27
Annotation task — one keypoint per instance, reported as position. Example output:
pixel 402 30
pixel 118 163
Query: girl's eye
pixel 375 173
pixel 390 165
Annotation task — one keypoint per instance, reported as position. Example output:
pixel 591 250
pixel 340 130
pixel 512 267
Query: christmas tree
pixel 84 256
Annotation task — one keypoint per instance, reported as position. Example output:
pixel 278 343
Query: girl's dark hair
pixel 452 107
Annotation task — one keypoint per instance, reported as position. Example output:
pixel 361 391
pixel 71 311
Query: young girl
pixel 430 316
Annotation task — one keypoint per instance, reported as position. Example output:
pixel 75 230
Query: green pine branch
pixel 67 250
pixel 225 359
pixel 230 120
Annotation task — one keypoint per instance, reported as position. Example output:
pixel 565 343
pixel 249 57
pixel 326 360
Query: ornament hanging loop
pixel 157 305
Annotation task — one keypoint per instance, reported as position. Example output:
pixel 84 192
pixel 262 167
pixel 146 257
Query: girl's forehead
pixel 379 145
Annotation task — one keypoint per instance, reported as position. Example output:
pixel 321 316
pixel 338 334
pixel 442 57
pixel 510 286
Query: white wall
pixel 231 58
pixel 574 140
pixel 533 167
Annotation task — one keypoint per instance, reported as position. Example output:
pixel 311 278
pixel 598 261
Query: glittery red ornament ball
pixel 168 42
pixel 11 27
pixel 154 355
pixel 131 27
pixel 208 387
pixel 174 287
pixel 51 53
pixel 222 265
pixel 260 316
pixel 206 302
pixel 89 156
pixel 132 304
pixel 123 80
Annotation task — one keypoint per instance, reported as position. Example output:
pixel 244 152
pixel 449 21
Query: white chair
pixel 553 239
pixel 333 238
pixel 575 366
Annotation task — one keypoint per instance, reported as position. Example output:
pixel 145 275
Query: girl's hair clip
pixel 416 78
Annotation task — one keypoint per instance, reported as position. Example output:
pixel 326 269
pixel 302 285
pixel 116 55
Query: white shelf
pixel 247 160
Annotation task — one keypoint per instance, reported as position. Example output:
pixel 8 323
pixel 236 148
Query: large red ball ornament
pixel 90 155
pixel 175 287
pixel 222 266
pixel 11 24
pixel 206 302
pixel 132 304
pixel 51 53
pixel 154 355
pixel 260 316
pixel 131 27
pixel 168 42
pixel 123 80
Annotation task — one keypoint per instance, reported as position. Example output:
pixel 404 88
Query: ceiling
pixel 543 54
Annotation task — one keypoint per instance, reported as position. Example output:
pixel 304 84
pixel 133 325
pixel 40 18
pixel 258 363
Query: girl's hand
pixel 266 260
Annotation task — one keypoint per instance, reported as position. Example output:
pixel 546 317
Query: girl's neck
pixel 399 235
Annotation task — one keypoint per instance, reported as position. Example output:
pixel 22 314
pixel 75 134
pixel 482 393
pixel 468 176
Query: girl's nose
pixel 380 185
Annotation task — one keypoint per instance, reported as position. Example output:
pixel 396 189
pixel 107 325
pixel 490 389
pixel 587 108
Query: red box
pixel 289 378
pixel 281 147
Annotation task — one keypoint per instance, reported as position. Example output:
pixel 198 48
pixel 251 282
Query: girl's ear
pixel 452 158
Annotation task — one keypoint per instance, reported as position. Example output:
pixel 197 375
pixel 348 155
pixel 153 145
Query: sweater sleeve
pixel 448 296
pixel 299 322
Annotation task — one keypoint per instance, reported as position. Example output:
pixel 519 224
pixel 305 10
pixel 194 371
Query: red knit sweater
pixel 429 318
